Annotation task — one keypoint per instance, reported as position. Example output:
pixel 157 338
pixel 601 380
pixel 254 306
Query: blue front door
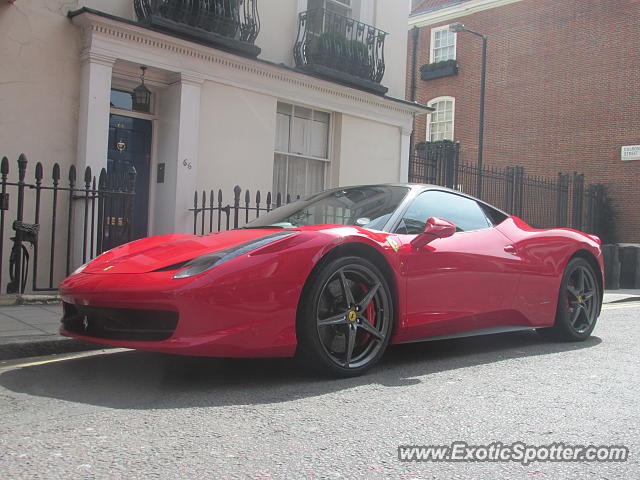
pixel 130 147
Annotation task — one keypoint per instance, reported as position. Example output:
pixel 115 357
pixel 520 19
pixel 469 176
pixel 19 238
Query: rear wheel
pixel 578 303
pixel 345 319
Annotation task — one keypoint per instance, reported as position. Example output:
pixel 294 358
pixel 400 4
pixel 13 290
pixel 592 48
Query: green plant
pixel 332 42
pixel 422 146
pixel 359 50
pixel 429 67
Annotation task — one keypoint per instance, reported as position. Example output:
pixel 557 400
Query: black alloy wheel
pixel 578 303
pixel 345 321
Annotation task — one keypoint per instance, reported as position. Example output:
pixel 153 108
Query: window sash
pixel 301 150
pixel 441 121
pixel 297 176
pixel 443 44
pixel 302 131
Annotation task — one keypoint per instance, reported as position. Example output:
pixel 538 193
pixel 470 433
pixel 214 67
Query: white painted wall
pixel 237 139
pixel 39 81
pixel 119 8
pixel 177 147
pixel 278 30
pixel 391 16
pixel 39 84
pixel 369 152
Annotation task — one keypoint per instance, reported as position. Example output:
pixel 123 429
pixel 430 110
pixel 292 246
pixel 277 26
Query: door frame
pixel 124 84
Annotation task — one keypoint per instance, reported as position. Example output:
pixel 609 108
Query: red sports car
pixel 338 276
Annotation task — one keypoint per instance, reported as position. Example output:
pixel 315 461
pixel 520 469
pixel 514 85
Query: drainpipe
pixel 414 60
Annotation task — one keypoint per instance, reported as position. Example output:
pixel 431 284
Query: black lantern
pixel 141 95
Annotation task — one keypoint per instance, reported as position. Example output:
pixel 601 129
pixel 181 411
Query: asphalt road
pixel 139 415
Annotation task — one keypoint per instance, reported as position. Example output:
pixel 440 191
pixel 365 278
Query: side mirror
pixel 435 228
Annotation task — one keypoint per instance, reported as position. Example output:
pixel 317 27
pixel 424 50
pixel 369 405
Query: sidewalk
pixel 31 330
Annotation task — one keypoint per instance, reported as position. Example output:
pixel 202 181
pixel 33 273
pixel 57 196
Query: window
pixel 340 7
pixel 495 216
pixel 302 151
pixel 443 44
pixel 464 212
pixel 123 99
pixel 440 124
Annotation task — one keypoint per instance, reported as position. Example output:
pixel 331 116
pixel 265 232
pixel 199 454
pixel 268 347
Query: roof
pixel 423 6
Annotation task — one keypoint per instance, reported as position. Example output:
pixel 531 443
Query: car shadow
pixel 143 380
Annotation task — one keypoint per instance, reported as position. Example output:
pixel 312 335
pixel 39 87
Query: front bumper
pixel 200 316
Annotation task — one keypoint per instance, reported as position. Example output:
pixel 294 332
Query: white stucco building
pixel 288 120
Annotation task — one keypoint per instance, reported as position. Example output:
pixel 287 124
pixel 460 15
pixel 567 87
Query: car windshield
pixel 369 207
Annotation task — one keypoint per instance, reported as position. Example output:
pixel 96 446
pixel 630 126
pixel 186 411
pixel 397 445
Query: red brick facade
pixel 563 92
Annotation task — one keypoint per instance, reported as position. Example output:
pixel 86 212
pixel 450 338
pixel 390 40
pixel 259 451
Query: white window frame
pixel 432 43
pixel 361 10
pixel 326 159
pixel 433 101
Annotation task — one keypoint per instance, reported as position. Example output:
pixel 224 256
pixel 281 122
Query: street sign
pixel 630 152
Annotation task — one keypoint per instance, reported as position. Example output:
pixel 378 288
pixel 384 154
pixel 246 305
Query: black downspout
pixel 414 60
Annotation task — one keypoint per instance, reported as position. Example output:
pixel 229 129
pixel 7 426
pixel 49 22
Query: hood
pixel 153 253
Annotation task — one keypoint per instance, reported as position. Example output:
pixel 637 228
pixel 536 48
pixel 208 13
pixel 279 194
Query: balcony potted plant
pixel 335 50
pixel 441 69
pixel 222 16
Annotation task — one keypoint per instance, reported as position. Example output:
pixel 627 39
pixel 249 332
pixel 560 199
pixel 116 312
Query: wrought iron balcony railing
pixel 231 25
pixel 340 48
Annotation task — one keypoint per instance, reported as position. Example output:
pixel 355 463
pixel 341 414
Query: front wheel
pixel 346 317
pixel 578 303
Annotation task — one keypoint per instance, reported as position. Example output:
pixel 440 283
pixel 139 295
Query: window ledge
pixel 432 71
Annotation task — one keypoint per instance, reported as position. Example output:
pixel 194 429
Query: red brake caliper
pixel 369 314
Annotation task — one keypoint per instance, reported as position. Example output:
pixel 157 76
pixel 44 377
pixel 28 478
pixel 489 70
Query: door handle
pixel 510 249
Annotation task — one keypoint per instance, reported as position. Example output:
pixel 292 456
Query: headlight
pixel 206 262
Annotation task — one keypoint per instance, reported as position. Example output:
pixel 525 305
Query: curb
pixel 624 300
pixel 41 345
pixel 10 300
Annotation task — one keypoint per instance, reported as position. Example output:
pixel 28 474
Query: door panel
pixel 130 146
pixel 464 282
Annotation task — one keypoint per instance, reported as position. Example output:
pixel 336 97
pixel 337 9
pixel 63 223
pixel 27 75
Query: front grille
pixel 119 323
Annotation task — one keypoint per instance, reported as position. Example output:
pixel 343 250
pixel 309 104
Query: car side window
pixel 465 213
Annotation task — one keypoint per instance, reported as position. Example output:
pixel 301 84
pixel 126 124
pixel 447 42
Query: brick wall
pixel 563 92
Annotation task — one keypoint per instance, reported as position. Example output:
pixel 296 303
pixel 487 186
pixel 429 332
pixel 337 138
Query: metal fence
pixel 340 43
pixel 563 201
pixel 211 214
pixel 81 219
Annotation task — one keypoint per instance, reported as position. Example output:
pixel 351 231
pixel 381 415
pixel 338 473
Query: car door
pixel 464 282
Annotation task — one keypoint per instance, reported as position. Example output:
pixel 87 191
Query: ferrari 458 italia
pixel 336 277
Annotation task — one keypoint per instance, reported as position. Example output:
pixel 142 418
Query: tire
pixel 345 317
pixel 578 304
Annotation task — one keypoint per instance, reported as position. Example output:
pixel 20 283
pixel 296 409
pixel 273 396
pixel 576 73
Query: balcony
pixel 340 49
pixel 231 25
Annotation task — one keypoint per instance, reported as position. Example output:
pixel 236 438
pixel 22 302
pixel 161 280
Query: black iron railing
pixel 211 214
pixel 563 201
pixel 51 215
pixel 341 48
pixel 228 24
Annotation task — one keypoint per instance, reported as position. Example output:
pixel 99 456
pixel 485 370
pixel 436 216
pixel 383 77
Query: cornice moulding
pixel 134 43
pixel 455 11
